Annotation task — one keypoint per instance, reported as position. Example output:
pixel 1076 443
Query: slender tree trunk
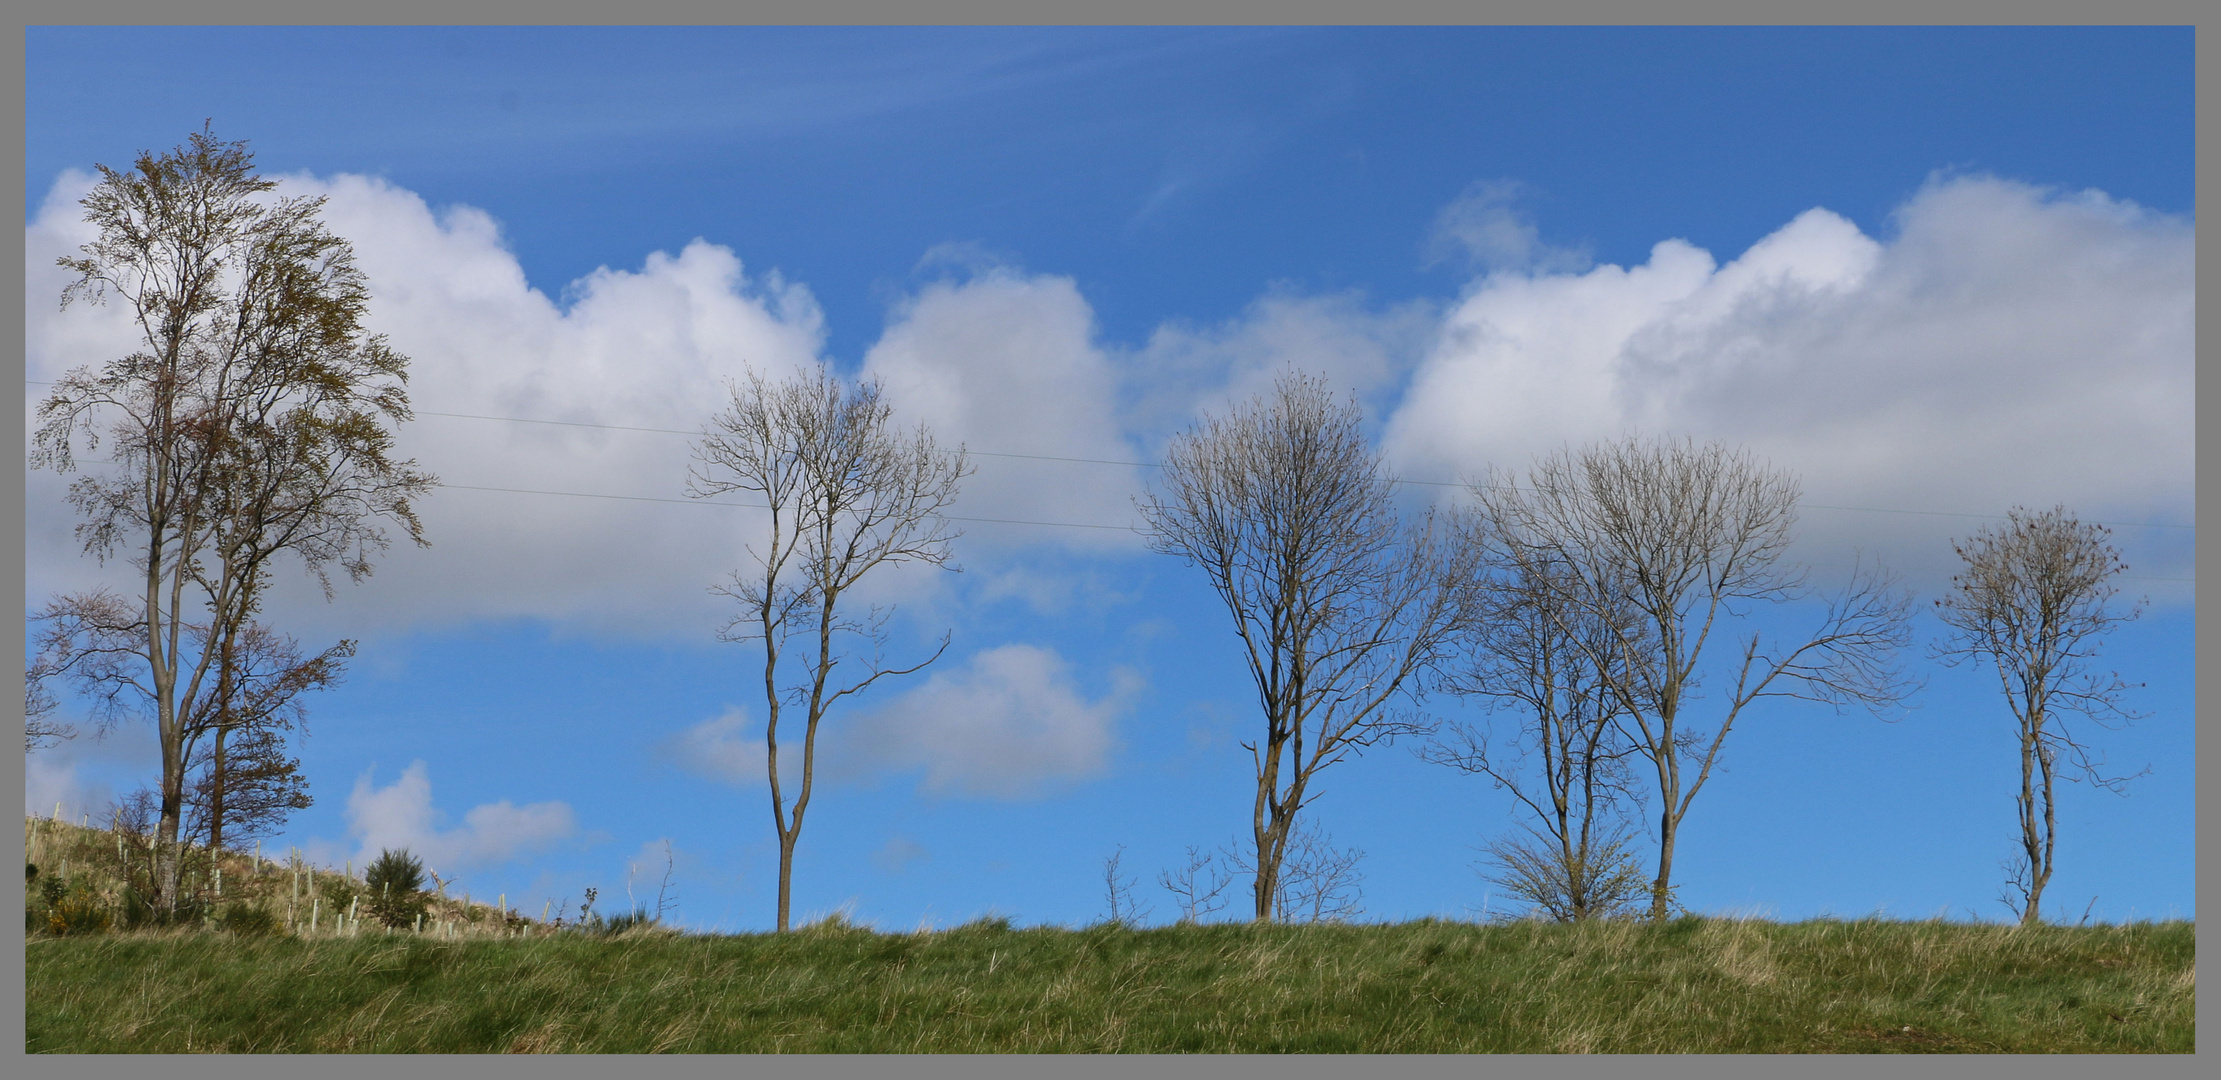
pixel 1271 823
pixel 1661 890
pixel 1667 751
pixel 2051 834
pixel 786 876
pixel 1669 822
pixel 2036 833
pixel 216 776
pixel 167 728
pixel 771 747
pixel 1268 865
pixel 166 835
pixel 216 780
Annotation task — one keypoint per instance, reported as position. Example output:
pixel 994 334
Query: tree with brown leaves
pixel 252 421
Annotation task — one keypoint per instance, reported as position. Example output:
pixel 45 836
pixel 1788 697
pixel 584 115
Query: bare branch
pixel 848 493
pixel 1659 544
pixel 1338 604
pixel 2034 602
pixel 1197 885
pixel 1118 892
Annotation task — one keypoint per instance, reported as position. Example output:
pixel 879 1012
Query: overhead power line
pixel 996 521
pixel 1137 465
pixel 698 434
pixel 1159 465
pixel 762 506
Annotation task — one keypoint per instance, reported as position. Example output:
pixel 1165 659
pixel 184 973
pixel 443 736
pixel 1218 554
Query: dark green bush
pixel 136 910
pixel 338 892
pixel 249 920
pixel 394 888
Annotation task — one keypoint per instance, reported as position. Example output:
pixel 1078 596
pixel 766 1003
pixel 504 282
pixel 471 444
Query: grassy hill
pixel 84 879
pixel 469 981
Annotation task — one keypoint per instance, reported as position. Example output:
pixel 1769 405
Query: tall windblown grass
pixel 83 879
pixel 1691 985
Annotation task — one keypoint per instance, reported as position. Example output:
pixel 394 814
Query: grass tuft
pixel 1691 985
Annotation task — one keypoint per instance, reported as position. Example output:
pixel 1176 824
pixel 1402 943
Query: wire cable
pixel 1129 464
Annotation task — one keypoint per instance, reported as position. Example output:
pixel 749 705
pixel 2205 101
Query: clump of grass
pixel 111 871
pixel 1690 985
pixel 249 919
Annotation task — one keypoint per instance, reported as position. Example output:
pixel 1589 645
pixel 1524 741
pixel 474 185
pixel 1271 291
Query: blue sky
pixel 1936 272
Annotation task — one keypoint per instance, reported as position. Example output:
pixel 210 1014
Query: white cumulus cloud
pixel 639 348
pixel 1009 724
pixel 401 815
pixel 1007 363
pixel 730 748
pixel 2008 345
pixel 1185 371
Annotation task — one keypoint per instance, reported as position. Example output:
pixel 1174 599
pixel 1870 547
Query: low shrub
pixel 338 892
pixel 393 890
pixel 637 919
pixel 249 920
pixel 79 910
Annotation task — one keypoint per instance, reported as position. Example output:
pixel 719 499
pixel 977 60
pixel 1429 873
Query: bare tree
pixel 1600 878
pixel 848 493
pixel 667 897
pixel 40 728
pixel 1685 537
pixel 1118 892
pixel 1197 885
pixel 1337 604
pixel 250 422
pixel 1318 882
pixel 2035 602
pixel 1535 652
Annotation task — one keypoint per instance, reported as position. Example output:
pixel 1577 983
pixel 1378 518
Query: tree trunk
pixel 1267 884
pixel 1661 890
pixel 167 869
pixel 2036 838
pixel 216 795
pixel 786 877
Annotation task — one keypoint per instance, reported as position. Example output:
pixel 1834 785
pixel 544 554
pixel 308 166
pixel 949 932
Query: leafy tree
pixel 251 421
pixel 245 790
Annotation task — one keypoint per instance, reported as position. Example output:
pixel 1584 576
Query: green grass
pixel 108 874
pixel 1693 985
